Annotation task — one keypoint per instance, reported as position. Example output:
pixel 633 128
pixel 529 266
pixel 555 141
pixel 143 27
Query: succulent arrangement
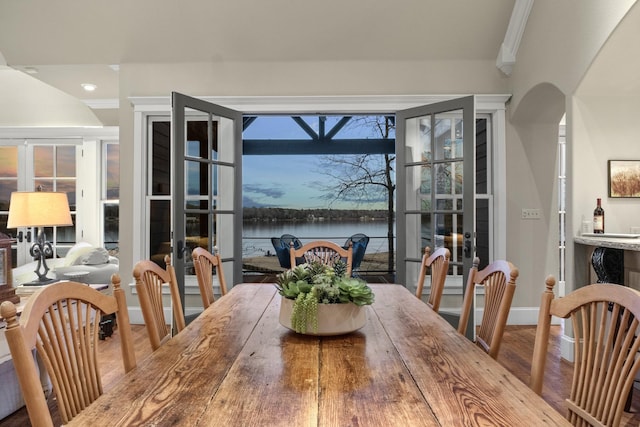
pixel 314 283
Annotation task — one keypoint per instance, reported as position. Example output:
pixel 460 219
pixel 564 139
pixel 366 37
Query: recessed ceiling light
pixel 89 87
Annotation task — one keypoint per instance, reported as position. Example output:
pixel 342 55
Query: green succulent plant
pixel 315 283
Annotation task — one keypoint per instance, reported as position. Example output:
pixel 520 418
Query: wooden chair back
pixel 62 321
pixel 324 252
pixel 205 264
pixel 499 282
pixel 605 324
pixel 150 279
pixel 438 264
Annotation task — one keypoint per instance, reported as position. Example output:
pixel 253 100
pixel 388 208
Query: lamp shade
pixel 38 209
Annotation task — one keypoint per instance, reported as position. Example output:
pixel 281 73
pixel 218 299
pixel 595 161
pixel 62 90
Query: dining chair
pixel 62 322
pixel 205 264
pixel 499 282
pixel 605 320
pixel 325 252
pixel 438 264
pixel 150 279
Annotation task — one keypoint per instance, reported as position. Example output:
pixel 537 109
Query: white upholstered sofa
pixel 94 265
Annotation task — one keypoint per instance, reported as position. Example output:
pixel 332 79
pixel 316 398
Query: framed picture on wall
pixel 624 178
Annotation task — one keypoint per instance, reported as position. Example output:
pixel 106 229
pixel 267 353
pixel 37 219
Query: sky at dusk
pixel 290 181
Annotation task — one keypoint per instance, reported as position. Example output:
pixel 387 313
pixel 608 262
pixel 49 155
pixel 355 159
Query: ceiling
pixel 66 42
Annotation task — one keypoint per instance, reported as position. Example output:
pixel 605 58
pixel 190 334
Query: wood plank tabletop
pixel 236 365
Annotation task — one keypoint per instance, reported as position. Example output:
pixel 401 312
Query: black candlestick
pixel 40 250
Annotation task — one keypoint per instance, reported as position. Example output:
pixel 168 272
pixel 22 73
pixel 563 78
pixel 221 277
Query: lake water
pixel 257 235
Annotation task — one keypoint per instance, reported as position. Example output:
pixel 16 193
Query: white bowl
pixel 333 319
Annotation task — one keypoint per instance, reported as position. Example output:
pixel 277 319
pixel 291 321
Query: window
pixel 54 169
pixel 110 195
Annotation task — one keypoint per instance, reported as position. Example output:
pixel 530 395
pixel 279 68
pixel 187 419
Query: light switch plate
pixel 531 214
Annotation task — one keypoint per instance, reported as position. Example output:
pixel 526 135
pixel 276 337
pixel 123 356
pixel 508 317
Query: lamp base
pixel 47 281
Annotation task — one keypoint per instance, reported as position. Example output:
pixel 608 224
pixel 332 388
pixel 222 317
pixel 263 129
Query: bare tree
pixel 364 178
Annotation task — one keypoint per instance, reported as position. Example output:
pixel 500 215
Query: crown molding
pixel 509 48
pixel 367 104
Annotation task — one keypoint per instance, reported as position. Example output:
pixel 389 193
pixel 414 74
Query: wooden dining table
pixel 235 365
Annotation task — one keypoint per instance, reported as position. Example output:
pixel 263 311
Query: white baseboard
pixel 517 315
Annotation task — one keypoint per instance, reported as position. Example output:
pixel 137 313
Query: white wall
pixel 605 128
pixel 559 45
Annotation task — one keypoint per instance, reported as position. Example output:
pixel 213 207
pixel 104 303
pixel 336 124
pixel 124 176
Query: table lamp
pixel 39 209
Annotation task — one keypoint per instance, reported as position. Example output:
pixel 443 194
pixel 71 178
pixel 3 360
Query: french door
pixel 435 147
pixel 206 185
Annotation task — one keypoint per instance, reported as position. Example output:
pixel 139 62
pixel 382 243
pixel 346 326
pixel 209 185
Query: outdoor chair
pixel 359 243
pixel 281 246
pixel 438 264
pixel 605 321
pixel 499 282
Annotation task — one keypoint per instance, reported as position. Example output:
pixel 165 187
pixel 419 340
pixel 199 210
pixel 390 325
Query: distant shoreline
pixel 269 264
pixel 312 215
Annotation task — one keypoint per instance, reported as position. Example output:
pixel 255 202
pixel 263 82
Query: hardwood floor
pixel 515 355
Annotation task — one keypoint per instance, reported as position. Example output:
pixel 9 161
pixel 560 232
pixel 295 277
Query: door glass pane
pixel 224 132
pixel 112 173
pixel 425 138
pixel 425 232
pixel 482 231
pixel 443 139
pixel 159 230
pixel 111 226
pixel 196 178
pixel 43 162
pixel 445 204
pixel 197 230
pixel 65 234
pixel 449 178
pixel 8 179
pixel 449 235
pixel 8 162
pixel 418 145
pixel 161 159
pixel 8 184
pixel 65 161
pixel 425 179
pixel 68 187
pixel 196 141
pixel 482 157
pixel 418 188
pixel 223 177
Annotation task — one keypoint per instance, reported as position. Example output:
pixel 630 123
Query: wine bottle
pixel 598 218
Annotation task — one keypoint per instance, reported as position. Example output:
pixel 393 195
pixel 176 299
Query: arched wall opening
pixel 532 184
